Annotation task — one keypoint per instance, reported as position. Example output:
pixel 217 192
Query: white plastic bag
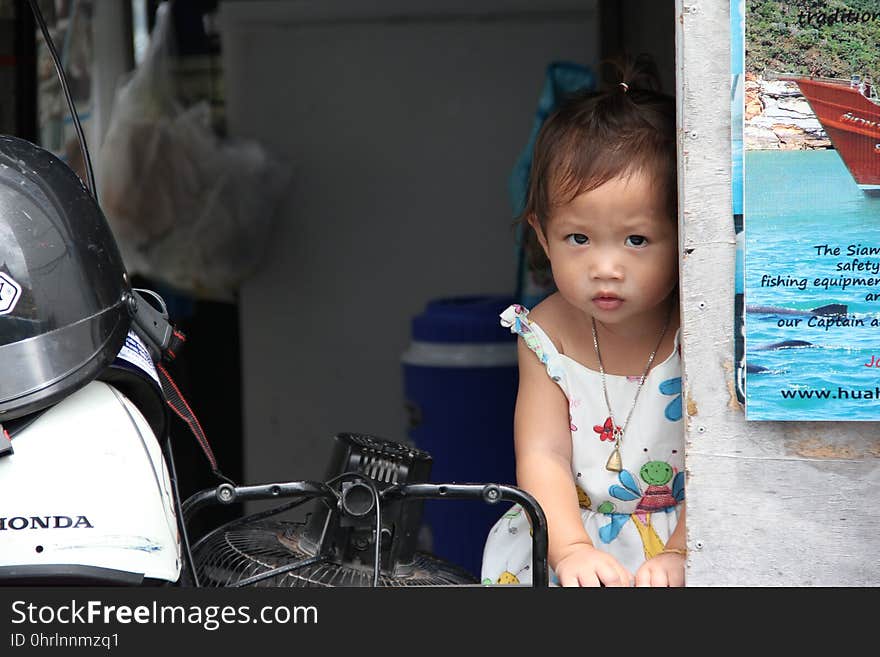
pixel 186 207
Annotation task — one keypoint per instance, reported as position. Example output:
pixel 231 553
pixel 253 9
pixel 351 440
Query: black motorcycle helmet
pixel 64 291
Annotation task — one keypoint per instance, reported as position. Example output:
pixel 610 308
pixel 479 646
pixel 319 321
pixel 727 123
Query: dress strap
pixel 515 318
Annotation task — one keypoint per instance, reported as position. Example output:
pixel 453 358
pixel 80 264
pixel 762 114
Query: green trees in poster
pixel 834 38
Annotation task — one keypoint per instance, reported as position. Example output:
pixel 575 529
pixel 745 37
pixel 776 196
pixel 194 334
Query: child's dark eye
pixel 636 240
pixel 577 238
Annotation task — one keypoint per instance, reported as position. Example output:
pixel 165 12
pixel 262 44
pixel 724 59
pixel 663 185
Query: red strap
pixel 5 442
pixel 175 399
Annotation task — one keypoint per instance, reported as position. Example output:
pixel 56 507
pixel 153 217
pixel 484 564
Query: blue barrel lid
pixel 463 319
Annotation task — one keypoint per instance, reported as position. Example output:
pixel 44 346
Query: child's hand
pixel 666 569
pixel 584 565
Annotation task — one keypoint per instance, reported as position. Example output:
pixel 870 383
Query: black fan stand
pixel 225 494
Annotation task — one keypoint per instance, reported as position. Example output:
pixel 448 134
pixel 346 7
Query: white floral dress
pixel 631 513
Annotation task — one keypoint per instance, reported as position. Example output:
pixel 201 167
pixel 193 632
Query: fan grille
pixel 236 553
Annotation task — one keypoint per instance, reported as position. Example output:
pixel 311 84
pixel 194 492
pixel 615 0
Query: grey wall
pixel 402 122
pixel 641 26
pixel 647 26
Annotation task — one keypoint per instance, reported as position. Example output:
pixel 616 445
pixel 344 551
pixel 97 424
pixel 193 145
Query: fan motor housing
pixel 345 533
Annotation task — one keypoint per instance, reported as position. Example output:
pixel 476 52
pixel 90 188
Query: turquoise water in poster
pixel 812 239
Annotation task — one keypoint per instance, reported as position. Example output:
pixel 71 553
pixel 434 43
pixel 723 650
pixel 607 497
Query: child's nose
pixel 606 266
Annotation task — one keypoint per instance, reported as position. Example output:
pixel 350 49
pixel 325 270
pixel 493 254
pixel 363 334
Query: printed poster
pixel 811 210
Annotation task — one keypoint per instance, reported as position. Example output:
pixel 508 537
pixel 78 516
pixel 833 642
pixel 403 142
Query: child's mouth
pixel 607 302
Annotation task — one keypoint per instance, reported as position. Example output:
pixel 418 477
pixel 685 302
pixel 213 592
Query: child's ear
pixel 539 232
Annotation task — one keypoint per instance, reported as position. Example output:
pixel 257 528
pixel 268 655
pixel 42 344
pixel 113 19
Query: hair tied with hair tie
pixel 625 86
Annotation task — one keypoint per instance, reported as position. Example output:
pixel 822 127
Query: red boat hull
pixel 851 121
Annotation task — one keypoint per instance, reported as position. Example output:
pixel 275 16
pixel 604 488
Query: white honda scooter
pixel 85 495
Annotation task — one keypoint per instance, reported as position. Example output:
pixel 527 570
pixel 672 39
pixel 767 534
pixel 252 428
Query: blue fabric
pixel 678 487
pixel 616 521
pixel 672 387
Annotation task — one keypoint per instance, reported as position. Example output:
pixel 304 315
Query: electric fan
pixel 375 488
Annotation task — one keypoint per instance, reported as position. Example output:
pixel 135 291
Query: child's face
pixel 614 251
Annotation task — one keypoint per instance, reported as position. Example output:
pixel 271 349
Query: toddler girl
pixel 598 432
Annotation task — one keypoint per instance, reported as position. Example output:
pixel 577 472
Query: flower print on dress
pixel 606 430
pixel 657 496
pixel 516 319
pixel 584 500
pixel 508 577
pixel 573 404
pixel 515 512
pixel 672 387
pixel 510 521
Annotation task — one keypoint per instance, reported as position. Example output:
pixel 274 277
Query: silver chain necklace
pixel 615 463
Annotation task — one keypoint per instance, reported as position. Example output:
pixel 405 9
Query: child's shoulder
pixel 547 312
pixel 558 319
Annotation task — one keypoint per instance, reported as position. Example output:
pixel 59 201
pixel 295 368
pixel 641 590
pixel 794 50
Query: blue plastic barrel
pixel 460 380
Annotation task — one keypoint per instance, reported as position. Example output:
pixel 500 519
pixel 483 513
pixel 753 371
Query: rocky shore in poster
pixel 778 117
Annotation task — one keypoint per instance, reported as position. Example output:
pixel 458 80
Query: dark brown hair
pixel 627 127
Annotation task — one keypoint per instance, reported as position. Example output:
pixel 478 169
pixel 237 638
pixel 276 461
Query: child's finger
pixel 659 578
pixel 589 579
pixel 577 579
pixel 566 580
pixel 610 576
pixel 643 577
pixel 676 577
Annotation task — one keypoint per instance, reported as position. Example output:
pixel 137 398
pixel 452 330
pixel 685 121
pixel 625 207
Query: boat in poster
pixel 849 111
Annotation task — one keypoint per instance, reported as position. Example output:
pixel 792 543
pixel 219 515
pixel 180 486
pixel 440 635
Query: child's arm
pixel 543 468
pixel 667 568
